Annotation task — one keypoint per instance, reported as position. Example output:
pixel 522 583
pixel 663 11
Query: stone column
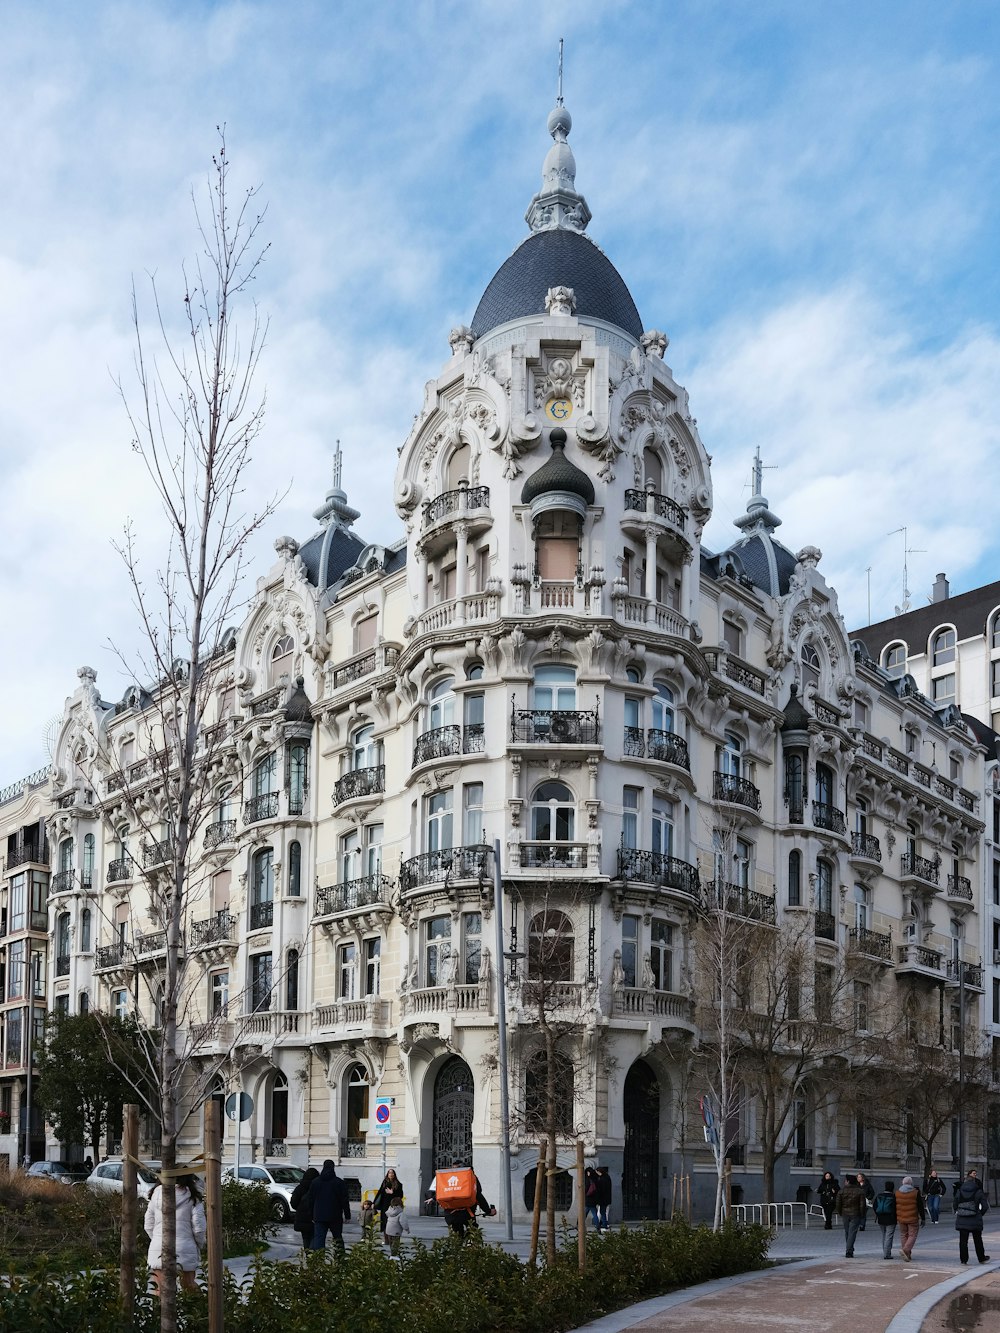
pixel 650 588
pixel 461 570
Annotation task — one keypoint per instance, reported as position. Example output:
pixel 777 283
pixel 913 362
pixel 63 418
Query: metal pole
pixel 961 1068
pixel 28 1091
pixel 213 1213
pixel 502 1037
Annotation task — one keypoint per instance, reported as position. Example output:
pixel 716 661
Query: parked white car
pixel 278 1178
pixel 106 1178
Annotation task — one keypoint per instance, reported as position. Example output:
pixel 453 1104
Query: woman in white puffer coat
pixel 191 1232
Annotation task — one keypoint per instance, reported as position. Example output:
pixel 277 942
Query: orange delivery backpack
pixel 456 1188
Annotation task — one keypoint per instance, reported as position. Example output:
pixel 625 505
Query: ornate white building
pixel 548 658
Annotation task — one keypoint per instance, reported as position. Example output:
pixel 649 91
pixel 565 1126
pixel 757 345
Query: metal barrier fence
pixel 776 1214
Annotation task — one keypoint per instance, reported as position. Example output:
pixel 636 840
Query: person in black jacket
pixel 390 1191
pixel 828 1190
pixel 934 1193
pixel 970 1204
pixel 330 1207
pixel 603 1198
pixel 868 1190
pixel 885 1216
pixel 460 1219
pixel 302 1220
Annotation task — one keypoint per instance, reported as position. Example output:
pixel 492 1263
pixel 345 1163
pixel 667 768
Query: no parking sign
pixel 383 1116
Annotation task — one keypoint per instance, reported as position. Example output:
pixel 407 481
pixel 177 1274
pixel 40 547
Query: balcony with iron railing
pixel 450 865
pixel 919 960
pixel 218 929
pixel 960 887
pixel 825 926
pixel 553 855
pixel 258 808
pixel 666 747
pixel 62 882
pixel 261 915
pixel 803 1158
pixel 118 869
pixel 458 503
pixel 157 853
pixel 920 868
pixel 218 832
pixel 865 847
pixel 973 974
pixel 828 817
pixel 372 661
pixel 870 943
pixel 148 946
pixel 355 895
pixel 650 504
pixel 554 726
pixel 111 955
pixel 270 702
pixel 736 900
pixel 735 669
pixel 732 790
pixel 664 872
pixel 358 783
pixel 443 742
pixel 29 853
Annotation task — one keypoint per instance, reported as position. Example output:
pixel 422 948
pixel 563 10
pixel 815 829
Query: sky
pixel 804 196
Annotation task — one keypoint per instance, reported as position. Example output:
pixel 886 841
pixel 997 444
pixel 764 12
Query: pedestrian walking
pixel 884 1208
pixel 302 1220
pixel 604 1193
pixel 395 1225
pixel 460 1219
pixel 390 1191
pixel 191 1232
pixel 868 1190
pixel 933 1194
pixel 590 1196
pixel 850 1208
pixel 910 1215
pixel 828 1190
pixel 330 1206
pixel 970 1206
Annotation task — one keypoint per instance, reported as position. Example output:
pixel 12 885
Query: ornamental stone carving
pixel 460 340
pixel 560 301
pixel 654 343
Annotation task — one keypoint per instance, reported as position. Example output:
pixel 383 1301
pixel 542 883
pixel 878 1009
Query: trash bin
pixel 736 1194
pixel 802 1194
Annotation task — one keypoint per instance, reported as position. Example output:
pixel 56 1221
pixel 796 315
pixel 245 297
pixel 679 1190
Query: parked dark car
pixel 67 1173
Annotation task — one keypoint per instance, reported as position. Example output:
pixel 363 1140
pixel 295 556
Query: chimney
pixel 940 592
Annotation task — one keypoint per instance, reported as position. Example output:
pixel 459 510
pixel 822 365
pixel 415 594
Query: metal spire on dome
pixel 335 507
pixel 758 517
pixel 558 206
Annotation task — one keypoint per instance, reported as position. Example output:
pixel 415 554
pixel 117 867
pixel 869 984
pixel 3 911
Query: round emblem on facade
pixel 558 409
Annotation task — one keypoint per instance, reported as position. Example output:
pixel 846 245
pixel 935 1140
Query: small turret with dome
pixel 757 555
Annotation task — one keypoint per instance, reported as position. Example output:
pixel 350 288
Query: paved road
pixel 814 1288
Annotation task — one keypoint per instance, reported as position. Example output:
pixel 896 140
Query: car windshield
pixel 286 1175
pixel 148 1177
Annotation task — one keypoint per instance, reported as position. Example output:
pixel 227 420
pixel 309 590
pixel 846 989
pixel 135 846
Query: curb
pixel 911 1317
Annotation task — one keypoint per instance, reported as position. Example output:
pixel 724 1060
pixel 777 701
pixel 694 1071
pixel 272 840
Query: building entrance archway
pixel 454 1099
pixel 641 1164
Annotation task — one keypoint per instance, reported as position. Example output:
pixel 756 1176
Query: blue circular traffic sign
pixel 382 1113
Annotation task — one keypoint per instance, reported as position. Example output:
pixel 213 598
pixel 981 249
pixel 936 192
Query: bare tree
pixel 195 414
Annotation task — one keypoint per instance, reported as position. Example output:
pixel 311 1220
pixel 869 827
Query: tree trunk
pixel 536 1207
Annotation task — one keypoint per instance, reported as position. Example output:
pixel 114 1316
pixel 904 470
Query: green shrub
pixel 247 1223
pixel 447 1287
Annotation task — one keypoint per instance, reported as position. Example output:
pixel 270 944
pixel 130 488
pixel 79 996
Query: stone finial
pixel 460 340
pixel 809 557
pixel 654 343
pixel 286 547
pixel 560 301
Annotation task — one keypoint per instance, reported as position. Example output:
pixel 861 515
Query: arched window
pixel 474 671
pixel 554 688
pixel 62 944
pixel 292 980
pixel 83 1003
pixel 262 889
pixel 810 666
pixel 824 887
pixel 294 869
pixel 458 466
pixel 66 855
pixel 85 930
pixel 298 777
pixel 279 1108
pixel 441 704
pixel 281 659
pixel 894 660
pixel 663 708
pixel 653 469
pixel 87 868
pixel 794 786
pixel 366 751
pixel 356 1117
pixel 550 947
pixel 265 774
pixel 553 813
pixel 995 631
pixel 731 756
pixel 943 647
pixel 861 908
pixel 795 879
pixel 537 1093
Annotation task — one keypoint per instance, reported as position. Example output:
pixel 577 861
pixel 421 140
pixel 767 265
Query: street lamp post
pixel 502 1039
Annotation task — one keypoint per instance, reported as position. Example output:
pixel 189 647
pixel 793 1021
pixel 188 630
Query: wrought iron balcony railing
pixel 649 502
pixel 733 668
pixel 803 1158
pixel 553 855
pixel 736 791
pixel 266 703
pixel 450 864
pixel 356 670
pixel 960 887
pixel 449 740
pixel 110 955
pixel 30 852
pixel 359 782
pixel 120 868
pixel 157 853
pixel 223 830
pixel 918 955
pixel 740 901
pixel 455 502
pixel 551 726
pixel 354 895
pixel 261 915
pixel 62 881
pixel 828 817
pixel 871 943
pixel 297 800
pixel 973 973
pixel 217 929
pixel 919 867
pixel 666 872
pixel 665 746
pixel 866 845
pixel 825 926
pixel 145 945
pixel 261 807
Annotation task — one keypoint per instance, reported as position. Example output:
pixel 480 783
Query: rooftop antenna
pixel 338 465
pixel 758 472
pixel 904 606
pixel 559 92
pixel 868 571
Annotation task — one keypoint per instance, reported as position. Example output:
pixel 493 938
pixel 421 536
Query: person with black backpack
pixel 884 1206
